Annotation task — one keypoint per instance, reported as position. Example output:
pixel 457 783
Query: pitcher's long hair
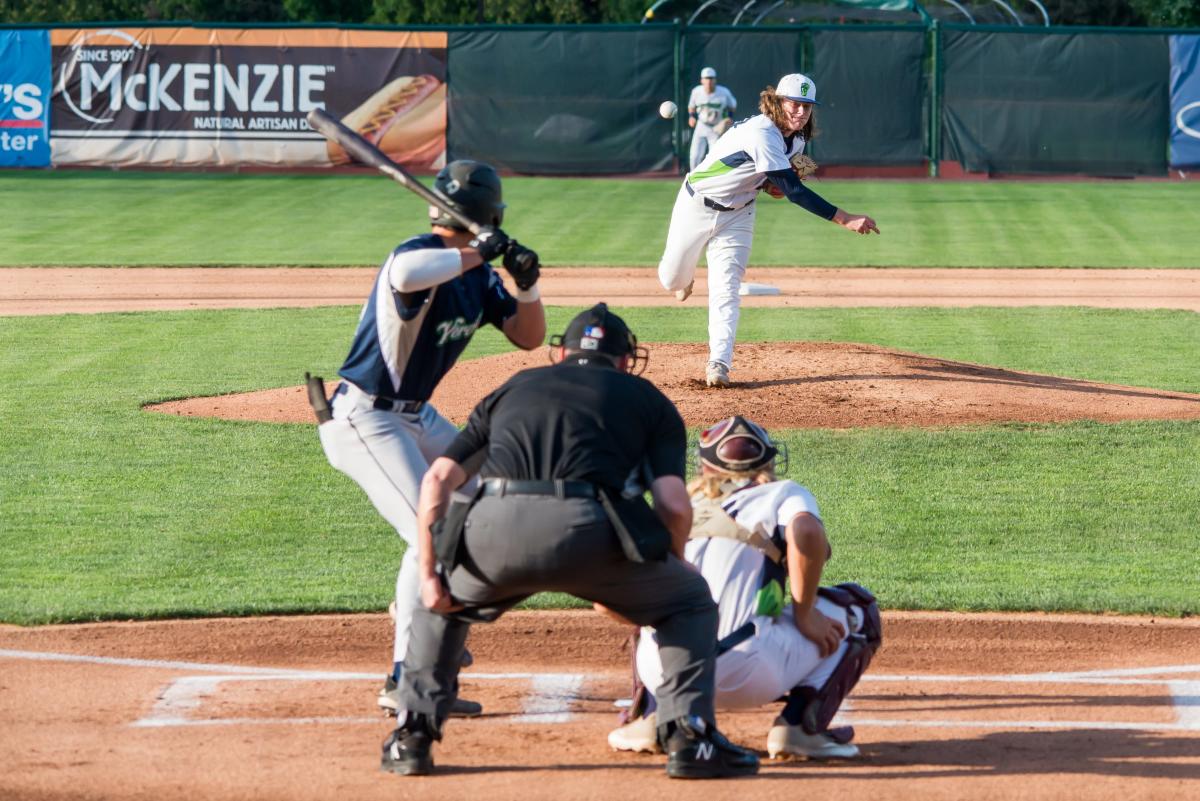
pixel 768 104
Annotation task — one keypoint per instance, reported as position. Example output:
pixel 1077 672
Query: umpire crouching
pixel 558 444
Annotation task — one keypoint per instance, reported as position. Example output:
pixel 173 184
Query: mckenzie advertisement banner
pixel 227 96
pixel 24 98
pixel 1185 101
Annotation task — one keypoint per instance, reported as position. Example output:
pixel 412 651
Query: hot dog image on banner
pixel 215 97
pixel 24 99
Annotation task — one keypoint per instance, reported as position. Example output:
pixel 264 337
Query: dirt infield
pixel 85 290
pixel 790 385
pixel 955 706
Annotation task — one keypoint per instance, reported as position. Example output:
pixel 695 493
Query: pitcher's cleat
pixel 683 294
pixel 716 374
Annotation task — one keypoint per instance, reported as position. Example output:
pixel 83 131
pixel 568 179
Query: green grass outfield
pixel 110 512
pixel 131 218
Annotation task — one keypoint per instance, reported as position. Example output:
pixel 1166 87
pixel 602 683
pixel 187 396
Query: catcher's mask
pixel 738 445
pixel 473 189
pixel 599 331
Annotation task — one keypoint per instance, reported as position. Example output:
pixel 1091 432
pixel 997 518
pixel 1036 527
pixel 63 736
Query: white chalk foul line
pixel 549 701
pixel 45 656
pixel 554 693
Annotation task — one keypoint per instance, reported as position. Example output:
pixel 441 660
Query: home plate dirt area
pixel 955 706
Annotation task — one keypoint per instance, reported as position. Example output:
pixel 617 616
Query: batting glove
pixel 490 242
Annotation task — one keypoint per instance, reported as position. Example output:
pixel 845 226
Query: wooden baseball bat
pixel 366 153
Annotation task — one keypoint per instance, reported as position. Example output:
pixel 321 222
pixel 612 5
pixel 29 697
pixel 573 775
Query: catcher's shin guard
pixel 815 708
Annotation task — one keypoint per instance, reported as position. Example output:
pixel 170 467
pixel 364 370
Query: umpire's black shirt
pixel 581 420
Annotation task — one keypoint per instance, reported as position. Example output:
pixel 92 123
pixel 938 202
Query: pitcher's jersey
pixel 736 165
pixel 407 342
pixel 711 108
pixel 744 582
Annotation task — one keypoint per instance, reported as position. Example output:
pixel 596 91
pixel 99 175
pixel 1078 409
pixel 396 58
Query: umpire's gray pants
pixel 518 545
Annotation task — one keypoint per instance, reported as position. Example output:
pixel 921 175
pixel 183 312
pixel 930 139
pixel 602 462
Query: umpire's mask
pixel 599 331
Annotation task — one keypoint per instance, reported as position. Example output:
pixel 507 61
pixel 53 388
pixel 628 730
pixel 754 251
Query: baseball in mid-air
pixel 667 110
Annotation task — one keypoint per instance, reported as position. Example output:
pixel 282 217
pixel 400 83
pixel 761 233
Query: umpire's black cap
pixel 598 330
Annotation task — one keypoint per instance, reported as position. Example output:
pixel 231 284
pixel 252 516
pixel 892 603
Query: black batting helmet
pixel 598 330
pixel 738 445
pixel 473 190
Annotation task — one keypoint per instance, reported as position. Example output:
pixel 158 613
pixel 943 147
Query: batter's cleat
pixel 639 735
pixel 716 374
pixel 696 750
pixel 408 750
pixel 683 294
pixel 784 740
pixel 389 701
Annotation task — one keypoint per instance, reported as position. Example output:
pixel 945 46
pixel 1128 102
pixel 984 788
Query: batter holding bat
pixel 429 298
pixel 715 207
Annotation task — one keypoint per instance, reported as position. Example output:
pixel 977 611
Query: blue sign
pixel 24 98
pixel 1185 101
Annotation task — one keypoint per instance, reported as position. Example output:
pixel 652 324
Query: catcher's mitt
pixel 803 166
pixel 723 126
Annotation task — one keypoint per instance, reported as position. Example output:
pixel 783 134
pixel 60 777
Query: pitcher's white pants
pixel 387 454
pixel 764 668
pixel 727 236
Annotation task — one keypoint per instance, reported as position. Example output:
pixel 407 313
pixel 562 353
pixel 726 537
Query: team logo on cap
pixel 804 89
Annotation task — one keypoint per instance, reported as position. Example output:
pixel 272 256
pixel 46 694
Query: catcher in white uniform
pixel 710 113
pixel 715 208
pixel 760 544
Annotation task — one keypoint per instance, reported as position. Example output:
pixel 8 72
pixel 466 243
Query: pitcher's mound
pixel 791 385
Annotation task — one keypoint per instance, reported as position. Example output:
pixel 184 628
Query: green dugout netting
pixel 872 88
pixel 1051 101
pixel 746 61
pixel 552 101
pixel 871 83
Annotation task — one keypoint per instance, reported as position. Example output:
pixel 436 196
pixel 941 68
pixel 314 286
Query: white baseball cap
pixel 797 87
pixel 708 72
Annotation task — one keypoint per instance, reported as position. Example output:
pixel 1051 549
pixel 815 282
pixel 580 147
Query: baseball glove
pixel 803 166
pixel 723 126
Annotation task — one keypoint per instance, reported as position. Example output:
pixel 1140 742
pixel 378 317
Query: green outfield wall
pixel 583 99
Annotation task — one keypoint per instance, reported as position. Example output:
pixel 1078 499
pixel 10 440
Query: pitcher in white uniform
pixel 760 544
pixel 715 208
pixel 708 107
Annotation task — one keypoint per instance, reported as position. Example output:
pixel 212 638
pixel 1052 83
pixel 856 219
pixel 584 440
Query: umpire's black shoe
pixel 696 750
pixel 409 749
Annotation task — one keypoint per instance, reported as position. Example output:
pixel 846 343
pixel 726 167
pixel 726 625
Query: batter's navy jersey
pixel 406 342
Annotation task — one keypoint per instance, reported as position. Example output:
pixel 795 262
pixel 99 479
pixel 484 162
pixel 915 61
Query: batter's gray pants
pixel 518 545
